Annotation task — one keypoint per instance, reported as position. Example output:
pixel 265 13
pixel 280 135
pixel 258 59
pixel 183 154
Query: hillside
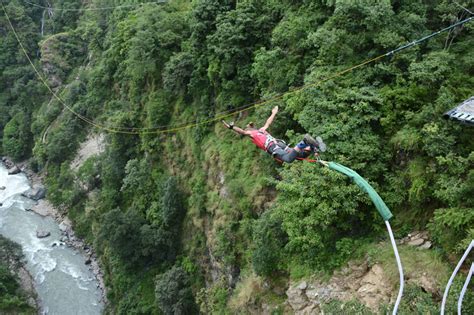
pixel 188 217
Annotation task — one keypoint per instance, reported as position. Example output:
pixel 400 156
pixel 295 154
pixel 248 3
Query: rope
pixel 464 288
pixel 94 9
pixel 400 268
pixel 450 282
pixel 221 115
pixel 384 212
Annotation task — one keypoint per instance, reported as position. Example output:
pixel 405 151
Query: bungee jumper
pixel 276 147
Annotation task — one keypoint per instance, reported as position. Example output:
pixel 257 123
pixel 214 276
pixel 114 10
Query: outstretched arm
pixel 270 119
pixel 236 129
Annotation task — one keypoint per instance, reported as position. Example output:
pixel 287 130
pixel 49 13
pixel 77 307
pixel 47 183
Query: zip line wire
pixel 224 114
pixel 124 6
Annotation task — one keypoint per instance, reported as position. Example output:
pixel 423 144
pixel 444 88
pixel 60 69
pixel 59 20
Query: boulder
pixel 14 170
pixel 426 245
pixel 2 187
pixel 416 242
pixel 42 234
pixel 303 285
pixel 8 163
pixel 36 193
pixel 297 299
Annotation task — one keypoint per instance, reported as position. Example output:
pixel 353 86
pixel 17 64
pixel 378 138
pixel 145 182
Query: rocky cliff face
pixel 369 284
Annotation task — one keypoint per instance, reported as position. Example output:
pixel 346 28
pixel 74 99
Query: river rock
pixel 36 193
pixel 7 162
pixel 88 262
pixel 42 234
pixel 14 170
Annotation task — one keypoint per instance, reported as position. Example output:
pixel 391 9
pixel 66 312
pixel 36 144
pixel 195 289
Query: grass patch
pixel 414 262
pixel 253 291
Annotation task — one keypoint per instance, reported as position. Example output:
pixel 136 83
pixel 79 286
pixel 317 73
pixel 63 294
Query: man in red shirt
pixel 278 148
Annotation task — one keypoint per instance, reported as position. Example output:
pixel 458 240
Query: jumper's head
pixel 250 126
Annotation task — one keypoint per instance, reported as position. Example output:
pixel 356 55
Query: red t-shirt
pixel 261 138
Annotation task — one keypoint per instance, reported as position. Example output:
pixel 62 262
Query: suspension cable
pixel 220 115
pixel 124 6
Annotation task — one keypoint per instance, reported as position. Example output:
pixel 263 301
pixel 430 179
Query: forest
pixel 188 217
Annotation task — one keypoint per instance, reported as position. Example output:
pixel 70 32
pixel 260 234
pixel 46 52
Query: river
pixel 64 284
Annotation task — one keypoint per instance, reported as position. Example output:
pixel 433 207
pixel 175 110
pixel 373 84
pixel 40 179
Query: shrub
pixel 269 240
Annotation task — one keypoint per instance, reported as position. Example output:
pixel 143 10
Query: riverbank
pixel 19 281
pixel 68 237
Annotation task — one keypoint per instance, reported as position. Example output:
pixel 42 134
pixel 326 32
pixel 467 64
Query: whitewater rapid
pixel 64 284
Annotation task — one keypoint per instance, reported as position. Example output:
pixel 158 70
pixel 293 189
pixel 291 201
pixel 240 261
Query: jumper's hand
pixel 228 125
pixel 275 110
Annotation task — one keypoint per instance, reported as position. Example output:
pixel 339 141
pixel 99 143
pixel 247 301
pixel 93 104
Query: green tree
pixel 16 137
pixel 269 241
pixel 173 292
pixel 121 231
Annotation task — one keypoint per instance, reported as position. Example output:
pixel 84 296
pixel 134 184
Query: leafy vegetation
pixel 202 198
pixel 12 298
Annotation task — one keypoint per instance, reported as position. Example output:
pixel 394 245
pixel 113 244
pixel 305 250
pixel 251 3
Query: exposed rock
pixel 303 285
pixel 223 190
pixel 63 227
pixel 427 283
pixel 426 245
pixel 44 208
pixel 36 193
pixel 42 234
pixel 27 284
pixel 7 162
pixel 424 235
pixel 14 170
pixel 368 285
pixel 312 294
pixel 416 242
pixel 88 262
pixel 3 187
pixel 311 309
pixel 94 145
pixel 297 299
